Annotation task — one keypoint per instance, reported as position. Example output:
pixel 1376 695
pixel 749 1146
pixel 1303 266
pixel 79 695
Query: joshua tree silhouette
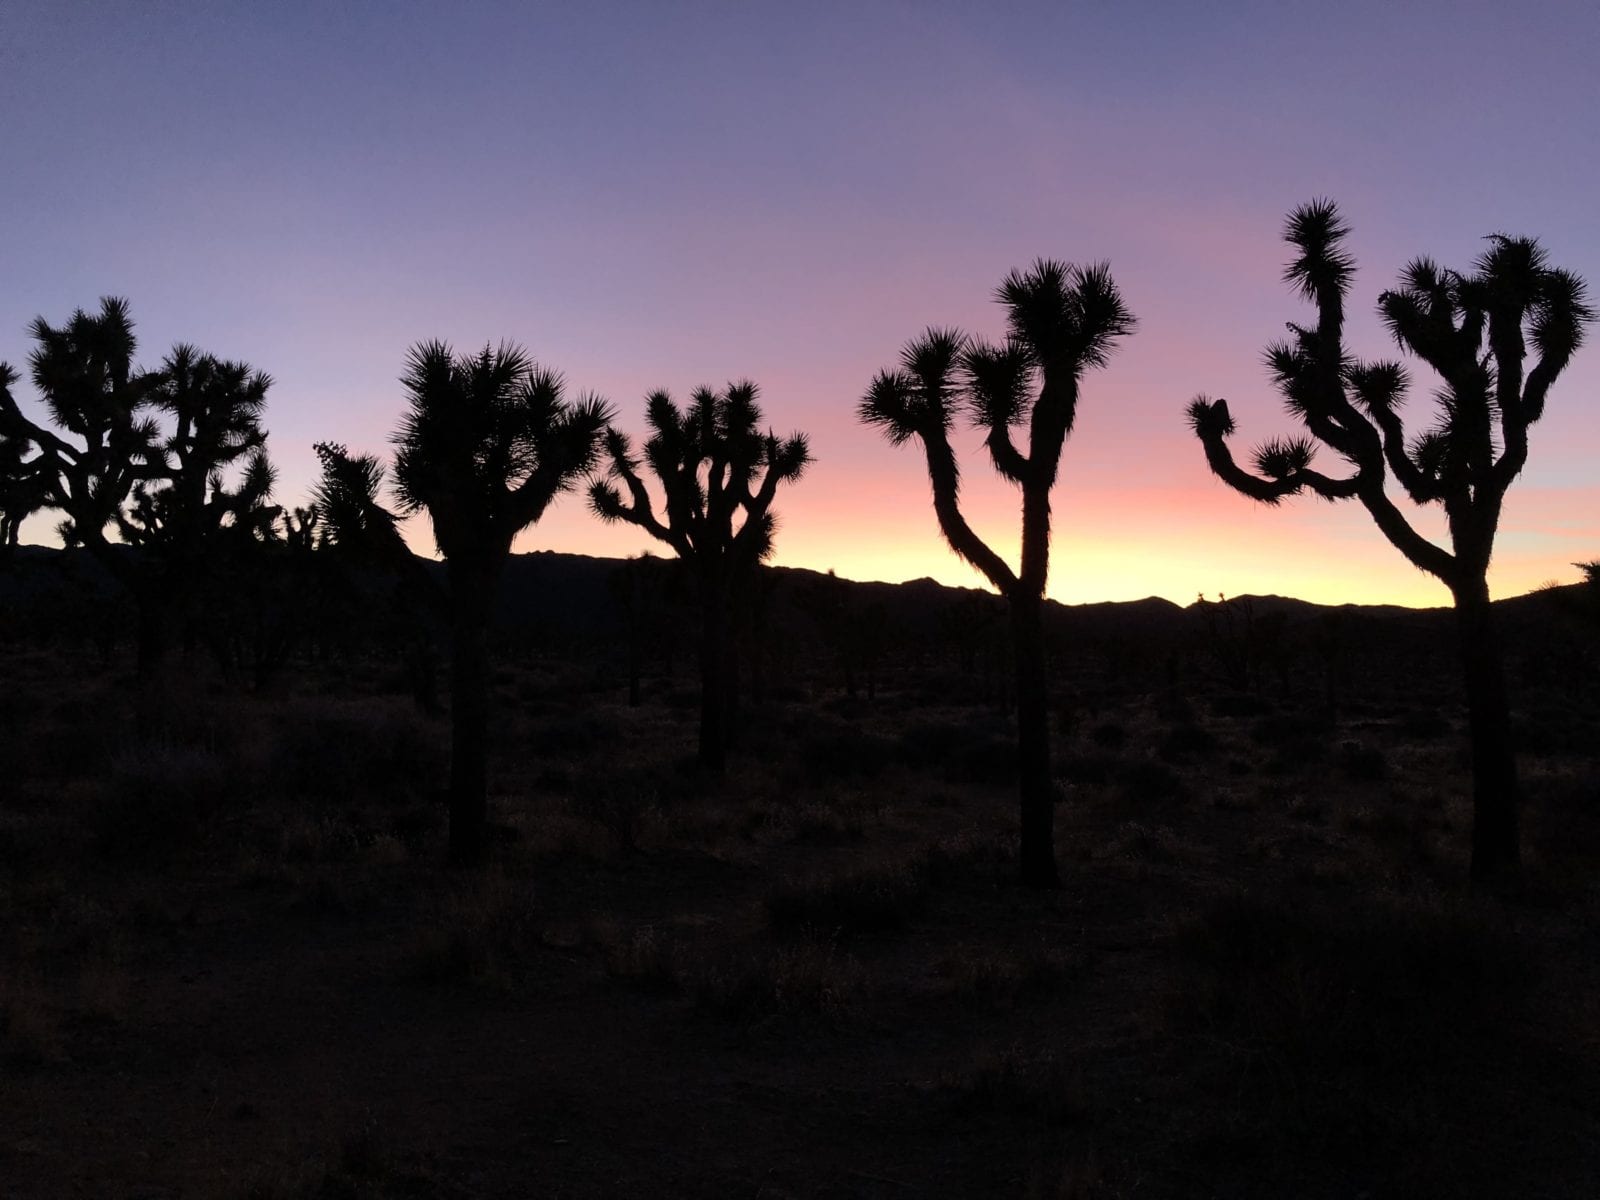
pixel 163 491
pixel 486 443
pixel 719 474
pixel 23 490
pixel 1063 320
pixel 1474 329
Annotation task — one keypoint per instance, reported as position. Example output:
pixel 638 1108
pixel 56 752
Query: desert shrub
pixel 1182 743
pixel 839 750
pixel 784 981
pixel 567 736
pixel 1352 1023
pixel 1362 762
pixel 1109 735
pixel 159 798
pixel 1424 725
pixel 1020 1080
pixel 999 978
pixel 621 807
pixel 980 853
pixel 334 753
pixel 1295 742
pixel 1174 706
pixel 482 933
pixel 642 958
pixel 975 752
pixel 829 824
pixel 1088 768
pixel 876 897
pixel 1150 781
pixel 1239 704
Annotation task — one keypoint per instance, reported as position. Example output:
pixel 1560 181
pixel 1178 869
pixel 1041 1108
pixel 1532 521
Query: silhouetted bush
pixel 1148 781
pixel 786 981
pixel 568 736
pixel 870 898
pixel 842 751
pixel 1363 762
pixel 967 753
pixel 1109 735
pixel 330 753
pixel 1240 704
pixel 1424 725
pixel 1090 768
pixel 1183 743
pixel 160 797
pixel 1349 1021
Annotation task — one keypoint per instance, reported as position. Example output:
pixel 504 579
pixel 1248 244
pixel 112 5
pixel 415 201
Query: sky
pixel 665 195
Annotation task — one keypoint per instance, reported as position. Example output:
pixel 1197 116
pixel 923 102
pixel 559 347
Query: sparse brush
pixel 1348 1017
pixel 807 980
pixel 1021 1080
pixel 482 932
pixel 999 979
pixel 869 898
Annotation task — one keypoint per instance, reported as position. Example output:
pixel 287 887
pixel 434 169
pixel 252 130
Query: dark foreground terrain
pixel 232 965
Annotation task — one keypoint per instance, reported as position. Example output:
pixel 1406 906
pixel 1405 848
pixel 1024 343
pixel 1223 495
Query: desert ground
pixel 234 964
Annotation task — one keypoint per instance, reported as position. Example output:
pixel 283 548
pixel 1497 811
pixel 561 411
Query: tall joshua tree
pixel 719 474
pixel 486 443
pixel 1475 330
pixel 1062 320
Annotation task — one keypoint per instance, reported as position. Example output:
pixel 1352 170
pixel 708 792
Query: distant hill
pixel 569 595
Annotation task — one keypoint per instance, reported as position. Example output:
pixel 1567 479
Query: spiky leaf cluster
pixel 487 442
pixel 1476 330
pixel 717 470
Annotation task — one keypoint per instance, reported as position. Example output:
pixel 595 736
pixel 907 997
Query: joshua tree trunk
pixel 715 677
pixel 1033 743
pixel 1496 841
pixel 472 596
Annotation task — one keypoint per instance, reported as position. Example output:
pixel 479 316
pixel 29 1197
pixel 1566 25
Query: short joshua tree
pixel 1062 321
pixel 719 474
pixel 1476 330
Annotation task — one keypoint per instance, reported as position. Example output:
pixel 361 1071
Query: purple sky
pixel 663 195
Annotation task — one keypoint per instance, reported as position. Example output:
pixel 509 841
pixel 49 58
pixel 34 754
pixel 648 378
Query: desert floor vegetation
pixel 234 964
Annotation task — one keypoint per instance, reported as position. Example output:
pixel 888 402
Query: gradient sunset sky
pixel 666 195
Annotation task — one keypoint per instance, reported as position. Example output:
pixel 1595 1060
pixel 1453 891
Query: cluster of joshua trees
pixel 174 459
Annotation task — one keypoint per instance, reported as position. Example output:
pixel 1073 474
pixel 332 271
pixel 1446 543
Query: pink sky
pixel 664 196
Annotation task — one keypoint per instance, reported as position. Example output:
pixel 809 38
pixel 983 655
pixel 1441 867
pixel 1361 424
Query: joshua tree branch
pixel 945 476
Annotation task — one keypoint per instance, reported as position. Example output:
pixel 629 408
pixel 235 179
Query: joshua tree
pixel 719 474
pixel 23 491
pixel 1475 330
pixel 487 442
pixel 1062 320
pixel 162 491
pixel 84 371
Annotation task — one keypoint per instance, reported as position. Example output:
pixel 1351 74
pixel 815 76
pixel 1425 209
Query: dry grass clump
pixel 1020 1081
pixel 872 897
pixel 160 797
pixel 326 751
pixel 30 1025
pixel 1001 978
pixel 643 957
pixel 1347 1029
pixel 807 980
pixel 364 1166
pixel 483 932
